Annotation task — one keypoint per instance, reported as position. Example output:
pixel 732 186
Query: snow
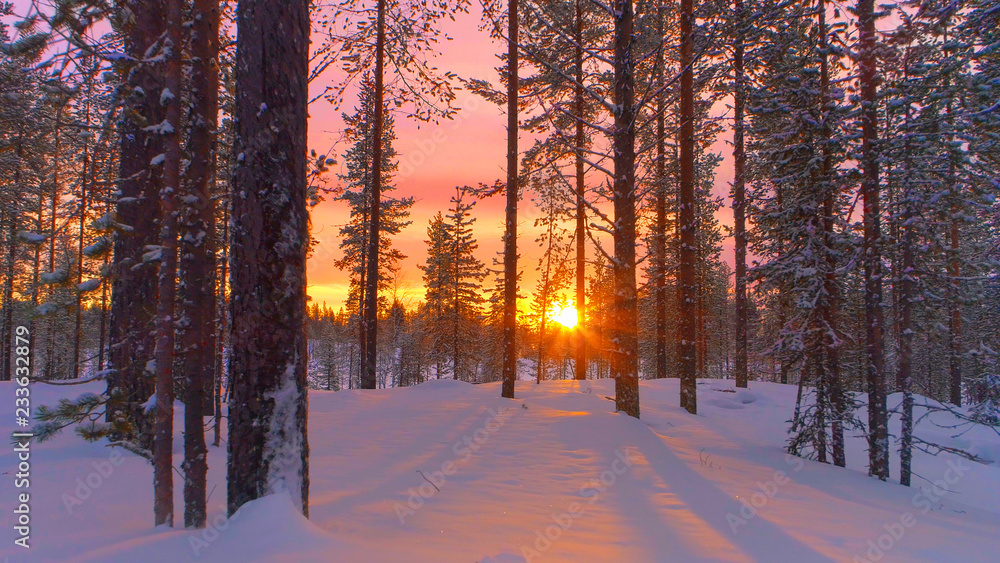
pixel 283 444
pixel 89 285
pixel 31 238
pixel 56 277
pixel 553 475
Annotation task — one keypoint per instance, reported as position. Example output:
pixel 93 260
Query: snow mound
pixel 745 397
pixel 272 529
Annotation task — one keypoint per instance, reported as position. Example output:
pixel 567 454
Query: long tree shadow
pixel 762 540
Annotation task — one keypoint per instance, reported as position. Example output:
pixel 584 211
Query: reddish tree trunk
pixel 197 262
pixel 268 447
pixel 510 232
pixel 686 290
pixel 625 341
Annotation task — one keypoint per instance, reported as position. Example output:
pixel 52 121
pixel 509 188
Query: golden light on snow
pixel 564 315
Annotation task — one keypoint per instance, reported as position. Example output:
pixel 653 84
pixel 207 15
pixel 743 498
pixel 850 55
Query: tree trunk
pixel 904 375
pixel 625 341
pixel 580 361
pixel 163 442
pixel 370 322
pixel 221 330
pixel 50 347
pixel 828 312
pixel 8 295
pixel 660 226
pixel 197 262
pixel 686 291
pixel 510 232
pixel 878 440
pixel 78 324
pixel 268 448
pixel 739 197
pixel 133 291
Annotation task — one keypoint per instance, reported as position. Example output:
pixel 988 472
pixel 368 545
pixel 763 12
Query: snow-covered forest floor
pixel 448 471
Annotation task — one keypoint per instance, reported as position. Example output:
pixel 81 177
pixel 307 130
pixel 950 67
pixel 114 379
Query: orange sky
pixel 436 158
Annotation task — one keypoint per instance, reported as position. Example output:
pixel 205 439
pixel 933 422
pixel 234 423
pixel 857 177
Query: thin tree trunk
pixel 828 311
pixel 221 330
pixel 50 347
pixel 660 232
pixel 8 294
pixel 904 375
pixel 580 361
pixel 510 232
pixel 739 197
pixel 78 326
pixel 878 440
pixel 104 322
pixel 686 291
pixel 268 448
pixel 370 324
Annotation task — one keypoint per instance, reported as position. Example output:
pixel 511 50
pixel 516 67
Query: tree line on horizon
pixel 156 185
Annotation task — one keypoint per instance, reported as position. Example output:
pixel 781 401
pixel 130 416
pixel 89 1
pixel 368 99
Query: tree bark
pixel 133 291
pixel 169 130
pixel 370 323
pixel 686 291
pixel 197 257
pixel 660 225
pixel 580 360
pixel 878 437
pixel 268 448
pixel 625 338
pixel 510 232
pixel 739 197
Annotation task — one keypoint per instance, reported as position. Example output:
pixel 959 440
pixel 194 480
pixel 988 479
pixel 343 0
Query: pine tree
pixel 394 213
pixel 268 448
pixel 196 284
pixel 452 279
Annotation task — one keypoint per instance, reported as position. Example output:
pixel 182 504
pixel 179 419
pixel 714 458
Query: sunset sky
pixel 436 158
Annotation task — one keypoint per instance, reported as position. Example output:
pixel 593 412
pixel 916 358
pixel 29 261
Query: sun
pixel 565 316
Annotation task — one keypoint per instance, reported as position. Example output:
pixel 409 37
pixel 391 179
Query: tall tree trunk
pixel 625 340
pixel 878 435
pixel 370 324
pixel 739 196
pixel 102 338
pixel 580 361
pixel 78 325
pixel 133 292
pixel 686 291
pixel 8 294
pixel 53 210
pixel 7 364
pixel 828 311
pixel 510 227
pixel 221 330
pixel 268 448
pixel 660 228
pixel 197 258
pixel 904 375
pixel 170 97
